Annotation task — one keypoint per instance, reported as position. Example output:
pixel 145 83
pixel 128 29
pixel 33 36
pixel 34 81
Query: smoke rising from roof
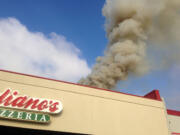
pixel 132 26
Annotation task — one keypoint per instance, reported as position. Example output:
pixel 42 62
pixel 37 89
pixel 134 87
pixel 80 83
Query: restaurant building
pixel 32 105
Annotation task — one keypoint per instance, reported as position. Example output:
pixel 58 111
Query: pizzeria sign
pixel 15 106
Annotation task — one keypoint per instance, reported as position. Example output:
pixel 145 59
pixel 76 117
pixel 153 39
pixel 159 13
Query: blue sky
pixel 79 21
pixel 79 26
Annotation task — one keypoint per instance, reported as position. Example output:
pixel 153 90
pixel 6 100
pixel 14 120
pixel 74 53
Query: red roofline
pixel 173 112
pixel 84 85
pixel 154 95
pixel 175 133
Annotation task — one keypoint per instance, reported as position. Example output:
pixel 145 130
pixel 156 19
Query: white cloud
pixel 34 53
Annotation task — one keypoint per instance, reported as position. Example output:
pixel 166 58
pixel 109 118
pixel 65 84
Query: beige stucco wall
pixel 174 123
pixel 88 110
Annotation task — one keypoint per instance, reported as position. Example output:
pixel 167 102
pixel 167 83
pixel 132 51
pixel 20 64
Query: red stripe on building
pixel 173 112
pixel 175 133
pixel 154 95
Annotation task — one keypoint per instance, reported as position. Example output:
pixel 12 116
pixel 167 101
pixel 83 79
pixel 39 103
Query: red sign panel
pixel 12 99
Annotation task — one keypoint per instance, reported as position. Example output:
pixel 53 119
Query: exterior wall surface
pixel 174 123
pixel 89 110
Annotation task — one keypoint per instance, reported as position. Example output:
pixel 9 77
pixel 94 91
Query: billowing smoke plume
pixel 130 25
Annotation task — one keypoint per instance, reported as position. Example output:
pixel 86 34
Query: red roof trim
pixel 154 95
pixel 74 84
pixel 175 133
pixel 173 112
